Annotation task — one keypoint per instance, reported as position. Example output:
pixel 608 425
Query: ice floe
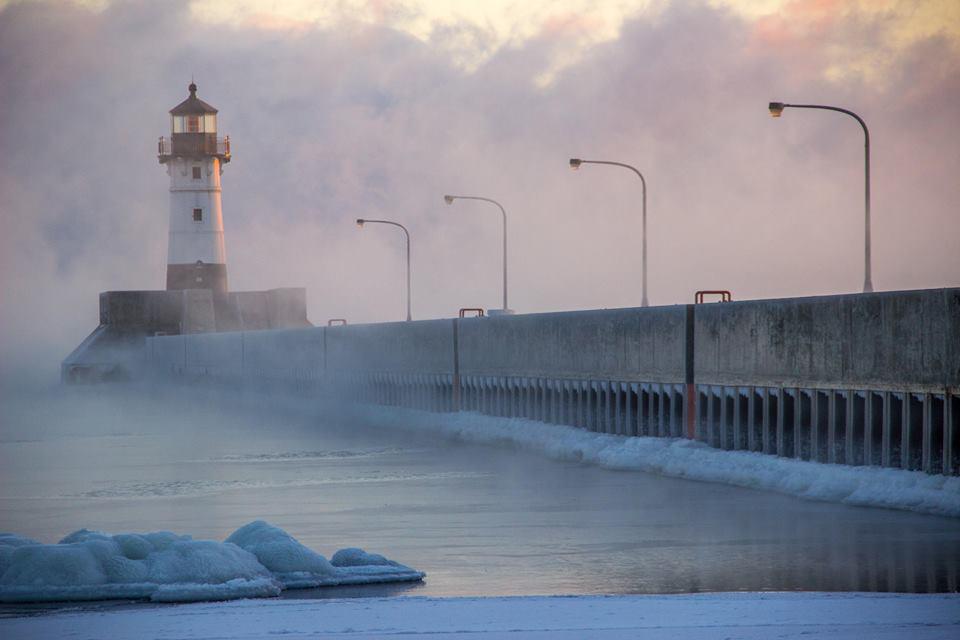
pixel 257 560
pixel 297 567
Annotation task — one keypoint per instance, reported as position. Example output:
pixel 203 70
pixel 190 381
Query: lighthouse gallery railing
pixel 193 144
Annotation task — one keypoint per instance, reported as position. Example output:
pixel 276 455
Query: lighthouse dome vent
pixel 192 105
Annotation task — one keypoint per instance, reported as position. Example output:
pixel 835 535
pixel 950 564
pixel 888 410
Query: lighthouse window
pixel 198 215
pixel 193 124
pixel 196 173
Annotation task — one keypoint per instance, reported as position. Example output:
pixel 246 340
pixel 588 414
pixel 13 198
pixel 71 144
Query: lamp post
pixel 361 222
pixel 449 200
pixel 575 164
pixel 776 110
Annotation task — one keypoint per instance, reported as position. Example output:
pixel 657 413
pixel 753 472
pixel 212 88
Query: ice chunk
pixel 354 557
pixel 229 590
pixel 356 566
pixel 298 567
pixel 293 564
pixel 257 560
pixel 8 543
pixel 90 565
pixel 12 540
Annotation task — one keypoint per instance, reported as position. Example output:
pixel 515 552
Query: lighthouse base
pixel 116 348
pixel 198 275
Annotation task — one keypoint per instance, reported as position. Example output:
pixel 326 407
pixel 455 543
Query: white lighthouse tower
pixel 194 155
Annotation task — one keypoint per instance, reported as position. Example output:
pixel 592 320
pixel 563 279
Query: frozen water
pixel 257 560
pixel 682 458
pixel 746 616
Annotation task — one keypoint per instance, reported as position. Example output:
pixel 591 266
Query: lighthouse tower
pixel 194 156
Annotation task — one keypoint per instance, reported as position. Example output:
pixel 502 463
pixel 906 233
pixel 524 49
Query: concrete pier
pixel 867 379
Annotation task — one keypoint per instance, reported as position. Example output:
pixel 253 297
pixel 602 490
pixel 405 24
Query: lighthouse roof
pixel 192 105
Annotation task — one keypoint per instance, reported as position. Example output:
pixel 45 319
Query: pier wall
pixel 854 379
pixel 901 339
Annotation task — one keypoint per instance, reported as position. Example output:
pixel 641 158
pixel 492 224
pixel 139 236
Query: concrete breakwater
pixel 866 379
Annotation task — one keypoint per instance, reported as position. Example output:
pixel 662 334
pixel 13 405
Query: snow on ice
pixel 682 458
pixel 257 560
pixel 747 616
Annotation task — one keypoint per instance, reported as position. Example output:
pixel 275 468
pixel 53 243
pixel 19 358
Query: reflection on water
pixel 478 520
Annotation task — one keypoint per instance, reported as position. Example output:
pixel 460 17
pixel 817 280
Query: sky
pixel 378 108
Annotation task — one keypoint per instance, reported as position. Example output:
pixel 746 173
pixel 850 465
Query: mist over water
pixel 479 520
pixel 333 119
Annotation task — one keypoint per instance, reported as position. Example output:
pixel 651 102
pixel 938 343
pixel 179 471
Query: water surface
pixel 479 520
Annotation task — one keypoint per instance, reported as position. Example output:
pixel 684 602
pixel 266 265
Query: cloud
pixel 469 33
pixel 334 121
pixel 856 41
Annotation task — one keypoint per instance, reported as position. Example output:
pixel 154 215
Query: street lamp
pixel 776 110
pixel 449 200
pixel 575 164
pixel 362 221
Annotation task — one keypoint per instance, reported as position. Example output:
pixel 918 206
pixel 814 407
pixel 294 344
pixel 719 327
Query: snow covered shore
pixel 258 560
pixel 682 458
pixel 746 616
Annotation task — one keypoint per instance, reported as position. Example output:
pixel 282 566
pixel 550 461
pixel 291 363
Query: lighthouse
pixel 194 156
pixel 196 299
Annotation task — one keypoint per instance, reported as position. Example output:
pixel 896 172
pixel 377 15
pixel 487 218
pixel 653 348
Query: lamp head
pixel 776 109
pixel 448 199
pixel 360 222
pixel 575 163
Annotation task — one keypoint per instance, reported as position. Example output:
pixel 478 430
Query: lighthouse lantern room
pixel 194 156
